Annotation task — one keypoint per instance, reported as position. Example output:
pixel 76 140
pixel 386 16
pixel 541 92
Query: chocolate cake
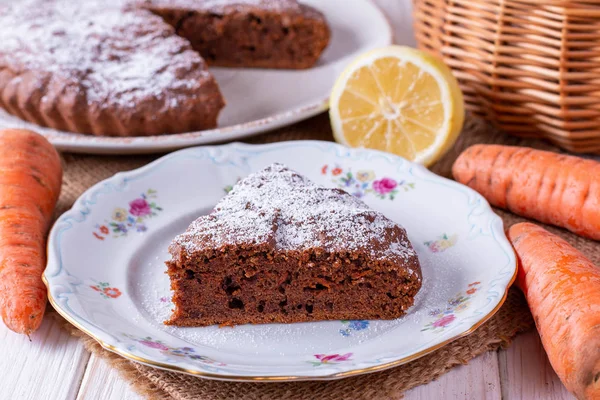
pixel 279 248
pixel 248 33
pixel 117 68
pixel 98 69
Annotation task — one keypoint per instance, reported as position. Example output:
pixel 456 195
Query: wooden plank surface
pixel 50 366
pixel 526 373
pixel 101 382
pixel 478 380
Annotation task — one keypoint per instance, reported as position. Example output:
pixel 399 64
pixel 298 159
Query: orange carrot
pixel 30 180
pixel 562 288
pixel 552 188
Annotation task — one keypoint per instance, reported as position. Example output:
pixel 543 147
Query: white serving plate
pixel 258 100
pixel 106 274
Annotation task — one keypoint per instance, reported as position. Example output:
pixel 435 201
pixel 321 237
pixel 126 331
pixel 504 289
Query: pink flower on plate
pixel 324 358
pixel 154 345
pixel 434 247
pixel 445 321
pixel 385 185
pixel 139 208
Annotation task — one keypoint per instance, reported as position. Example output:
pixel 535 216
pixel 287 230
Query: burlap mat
pixel 83 171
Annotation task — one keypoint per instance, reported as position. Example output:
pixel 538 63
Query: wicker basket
pixel 532 67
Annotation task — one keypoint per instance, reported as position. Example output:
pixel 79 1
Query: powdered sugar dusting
pixel 286 211
pixel 227 5
pixel 103 54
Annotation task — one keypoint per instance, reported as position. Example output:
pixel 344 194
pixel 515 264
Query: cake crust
pixel 102 70
pixel 279 248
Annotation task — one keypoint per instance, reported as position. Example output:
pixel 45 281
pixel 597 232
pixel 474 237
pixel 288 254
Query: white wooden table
pixel 55 366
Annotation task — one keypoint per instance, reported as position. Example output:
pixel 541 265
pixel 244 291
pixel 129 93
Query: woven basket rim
pixel 531 67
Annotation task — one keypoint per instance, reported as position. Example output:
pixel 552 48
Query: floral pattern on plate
pixel 352 326
pixel 442 243
pixel 442 318
pixel 364 182
pixel 324 359
pixel 132 218
pixel 186 352
pixel 106 290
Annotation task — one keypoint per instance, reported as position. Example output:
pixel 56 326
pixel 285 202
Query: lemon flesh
pixel 400 100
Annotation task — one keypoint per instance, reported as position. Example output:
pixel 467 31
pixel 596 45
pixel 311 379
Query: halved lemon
pixel 400 100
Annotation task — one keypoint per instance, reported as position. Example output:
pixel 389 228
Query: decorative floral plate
pixel 106 274
pixel 258 100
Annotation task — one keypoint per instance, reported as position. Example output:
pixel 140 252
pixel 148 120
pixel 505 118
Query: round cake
pixel 120 69
pixel 102 70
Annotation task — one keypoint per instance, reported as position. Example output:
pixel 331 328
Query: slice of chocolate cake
pixel 279 248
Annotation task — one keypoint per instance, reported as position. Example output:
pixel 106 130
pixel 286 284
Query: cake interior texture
pixel 279 248
pixel 285 35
